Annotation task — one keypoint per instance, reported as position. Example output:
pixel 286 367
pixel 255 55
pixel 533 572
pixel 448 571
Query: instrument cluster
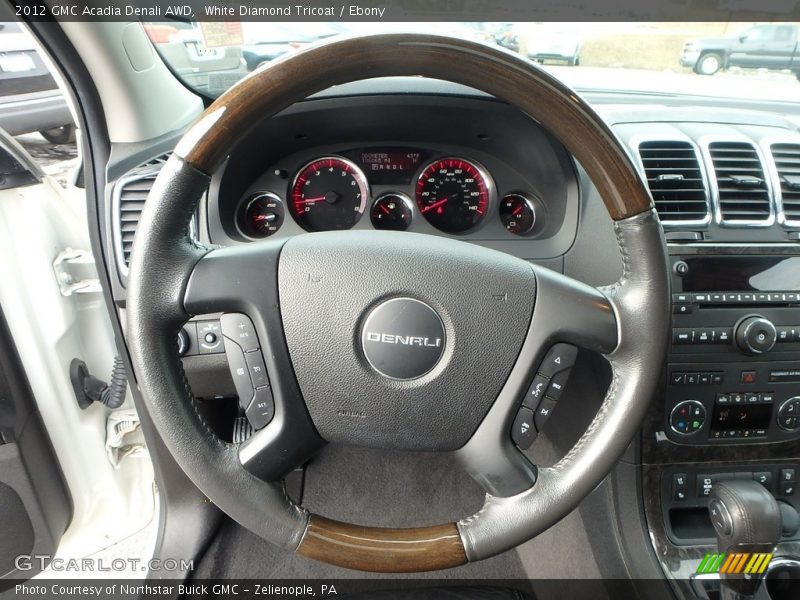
pixel 395 189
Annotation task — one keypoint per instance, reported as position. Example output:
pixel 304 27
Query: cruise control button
pixel 556 387
pixel 560 358
pixel 523 433
pixel 240 329
pixel 239 373
pixel 261 409
pixel 258 370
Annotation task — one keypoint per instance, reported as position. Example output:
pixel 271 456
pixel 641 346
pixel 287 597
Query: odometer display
pixel 328 193
pixel 453 194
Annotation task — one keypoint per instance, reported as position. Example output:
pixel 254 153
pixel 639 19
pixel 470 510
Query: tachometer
pixel 328 193
pixel 453 194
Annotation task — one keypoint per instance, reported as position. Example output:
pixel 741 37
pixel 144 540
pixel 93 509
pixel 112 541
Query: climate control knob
pixel 755 335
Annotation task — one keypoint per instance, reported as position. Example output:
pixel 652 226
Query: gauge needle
pixel 384 209
pixel 517 210
pixel 312 200
pixel 435 204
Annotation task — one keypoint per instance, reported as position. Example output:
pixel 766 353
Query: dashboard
pixel 470 170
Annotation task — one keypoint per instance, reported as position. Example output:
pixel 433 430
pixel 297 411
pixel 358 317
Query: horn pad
pixel 401 340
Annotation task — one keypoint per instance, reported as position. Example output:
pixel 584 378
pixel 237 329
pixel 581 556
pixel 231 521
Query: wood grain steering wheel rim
pixel 568 118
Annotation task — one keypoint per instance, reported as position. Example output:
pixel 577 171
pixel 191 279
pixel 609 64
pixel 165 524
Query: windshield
pixel 734 60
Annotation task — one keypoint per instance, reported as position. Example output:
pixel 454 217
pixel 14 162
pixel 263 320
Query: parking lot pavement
pixel 57 160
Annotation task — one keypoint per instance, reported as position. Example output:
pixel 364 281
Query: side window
pixel 761 34
pixel 32 108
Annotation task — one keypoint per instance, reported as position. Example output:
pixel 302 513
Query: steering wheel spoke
pixel 241 282
pixel 568 314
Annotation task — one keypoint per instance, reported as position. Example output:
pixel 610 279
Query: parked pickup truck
pixel 761 46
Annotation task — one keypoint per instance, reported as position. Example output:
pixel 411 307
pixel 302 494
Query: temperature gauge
pixel 260 215
pixel 391 211
pixel 517 213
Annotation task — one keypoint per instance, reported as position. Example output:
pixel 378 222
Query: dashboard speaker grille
pixel 675 180
pixel 742 186
pixel 787 161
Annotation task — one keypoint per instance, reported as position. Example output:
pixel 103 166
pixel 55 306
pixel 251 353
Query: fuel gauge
pixel 518 214
pixel 391 211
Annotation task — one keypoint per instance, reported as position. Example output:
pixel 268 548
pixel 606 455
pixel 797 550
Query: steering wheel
pixel 371 339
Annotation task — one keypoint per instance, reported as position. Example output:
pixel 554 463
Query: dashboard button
pixel 239 373
pixel 678 378
pixel 261 409
pixel 682 336
pixel 536 391
pixel 687 417
pixel 557 383
pixel 787 488
pixel 209 337
pixel 561 357
pixel 704 485
pixel 788 475
pixel 680 487
pixel 240 329
pixel 523 433
pixel 257 368
pixel 764 478
pixel 543 412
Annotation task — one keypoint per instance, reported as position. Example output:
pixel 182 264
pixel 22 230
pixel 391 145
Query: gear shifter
pixel 746 518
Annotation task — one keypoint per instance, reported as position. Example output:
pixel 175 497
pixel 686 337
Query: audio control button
pixel 523 433
pixel 755 335
pixel 561 357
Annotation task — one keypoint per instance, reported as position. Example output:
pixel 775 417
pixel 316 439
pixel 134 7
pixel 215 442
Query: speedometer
pixel 453 194
pixel 328 193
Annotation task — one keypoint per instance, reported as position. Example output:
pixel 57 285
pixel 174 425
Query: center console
pixel 734 363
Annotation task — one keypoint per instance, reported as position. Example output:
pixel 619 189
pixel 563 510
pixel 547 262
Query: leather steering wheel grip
pixel 164 257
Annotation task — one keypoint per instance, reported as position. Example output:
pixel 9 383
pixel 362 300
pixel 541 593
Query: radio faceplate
pixel 734 365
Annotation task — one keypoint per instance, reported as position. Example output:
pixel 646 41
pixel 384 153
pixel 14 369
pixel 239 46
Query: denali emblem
pixel 403 338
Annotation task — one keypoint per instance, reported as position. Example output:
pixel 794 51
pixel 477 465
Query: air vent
pixel 743 191
pixel 675 181
pixel 130 194
pixel 787 161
